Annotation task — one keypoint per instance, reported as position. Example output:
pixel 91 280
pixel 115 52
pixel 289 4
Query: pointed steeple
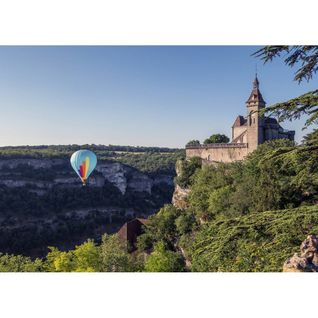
pixel 256 95
pixel 255 82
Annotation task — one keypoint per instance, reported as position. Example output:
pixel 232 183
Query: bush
pixel 258 242
pixel 163 260
pixel 19 263
pixel 185 170
pixel 216 139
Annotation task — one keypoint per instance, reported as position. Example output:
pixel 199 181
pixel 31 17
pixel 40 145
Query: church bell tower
pixel 255 122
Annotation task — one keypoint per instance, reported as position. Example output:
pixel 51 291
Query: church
pixel 247 133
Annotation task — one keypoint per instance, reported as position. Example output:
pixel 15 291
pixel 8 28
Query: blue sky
pixel 146 96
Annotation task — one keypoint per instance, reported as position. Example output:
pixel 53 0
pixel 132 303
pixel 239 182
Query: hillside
pixel 258 242
pixel 248 216
pixel 42 202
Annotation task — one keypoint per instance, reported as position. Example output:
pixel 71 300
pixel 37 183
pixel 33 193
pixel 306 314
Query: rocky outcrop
pixel 17 173
pixel 179 198
pixel 307 260
pixel 51 208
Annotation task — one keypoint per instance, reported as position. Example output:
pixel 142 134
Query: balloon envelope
pixel 83 162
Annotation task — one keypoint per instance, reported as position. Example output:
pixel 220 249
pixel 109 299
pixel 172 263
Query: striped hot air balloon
pixel 83 162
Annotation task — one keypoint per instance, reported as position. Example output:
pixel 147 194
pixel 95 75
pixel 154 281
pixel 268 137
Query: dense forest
pixel 146 159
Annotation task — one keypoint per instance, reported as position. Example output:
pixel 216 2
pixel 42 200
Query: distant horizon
pixel 98 145
pixel 154 96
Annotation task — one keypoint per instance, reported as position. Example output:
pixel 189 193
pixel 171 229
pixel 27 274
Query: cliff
pixel 18 173
pixel 43 203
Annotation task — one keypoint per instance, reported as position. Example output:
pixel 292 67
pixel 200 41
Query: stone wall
pixel 218 152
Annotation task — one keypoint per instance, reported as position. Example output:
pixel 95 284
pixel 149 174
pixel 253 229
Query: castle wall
pixel 224 153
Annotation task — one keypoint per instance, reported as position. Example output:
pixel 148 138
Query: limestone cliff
pixel 180 194
pixel 43 203
pixel 179 197
pixel 17 173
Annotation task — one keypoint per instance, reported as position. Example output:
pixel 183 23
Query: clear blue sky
pixel 147 96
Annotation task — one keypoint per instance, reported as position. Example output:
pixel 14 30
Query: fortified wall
pixel 212 153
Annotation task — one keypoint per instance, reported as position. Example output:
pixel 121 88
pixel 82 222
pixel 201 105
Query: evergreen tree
pixel 306 59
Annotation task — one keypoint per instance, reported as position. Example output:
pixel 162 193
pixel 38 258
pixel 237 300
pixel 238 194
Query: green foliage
pixel 153 160
pixel 162 226
pixel 220 200
pixel 84 258
pixel 193 143
pixel 163 260
pixel 311 139
pixel 58 261
pixel 114 256
pixel 36 215
pixel 256 242
pixel 19 263
pixel 185 170
pixel 205 182
pixel 277 175
pixel 306 58
pixel 110 256
pixel 87 257
pixel 216 139
pixel 185 222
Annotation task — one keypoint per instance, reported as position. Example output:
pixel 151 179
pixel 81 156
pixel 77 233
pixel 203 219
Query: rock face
pixel 307 261
pixel 42 202
pixel 20 172
pixel 180 194
pixel 179 197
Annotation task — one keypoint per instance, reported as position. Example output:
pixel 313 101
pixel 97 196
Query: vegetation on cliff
pixel 257 242
pixel 242 216
pixel 146 159
pixel 39 207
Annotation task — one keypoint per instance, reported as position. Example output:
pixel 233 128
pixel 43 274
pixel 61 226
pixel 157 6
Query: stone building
pixel 247 133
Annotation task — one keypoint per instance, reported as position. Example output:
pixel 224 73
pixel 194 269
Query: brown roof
pixel 256 94
pixel 129 232
pixel 239 121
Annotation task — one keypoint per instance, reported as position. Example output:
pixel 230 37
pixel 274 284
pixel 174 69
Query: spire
pixel 256 95
pixel 256 82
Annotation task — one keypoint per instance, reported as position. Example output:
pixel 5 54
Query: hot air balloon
pixel 83 162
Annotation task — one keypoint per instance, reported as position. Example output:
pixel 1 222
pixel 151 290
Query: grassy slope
pixel 256 242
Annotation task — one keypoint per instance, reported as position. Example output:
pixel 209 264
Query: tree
pixel 193 143
pixel 58 261
pixel 84 258
pixel 306 59
pixel 19 263
pixel 114 256
pixel 162 260
pixel 216 139
pixel 185 170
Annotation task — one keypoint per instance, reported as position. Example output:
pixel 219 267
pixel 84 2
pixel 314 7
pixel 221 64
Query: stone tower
pixel 255 122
